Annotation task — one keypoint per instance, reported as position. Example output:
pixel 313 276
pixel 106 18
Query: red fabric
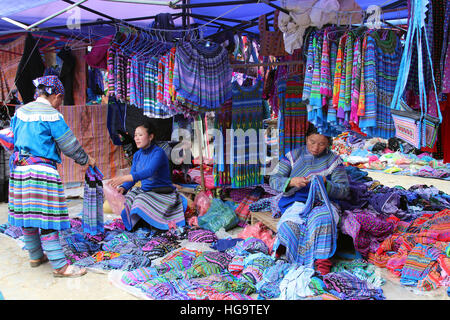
pixel 323 266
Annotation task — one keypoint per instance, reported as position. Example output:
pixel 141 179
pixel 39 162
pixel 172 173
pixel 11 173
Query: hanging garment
pixel 381 67
pixel 247 119
pixel 271 43
pixel 66 74
pixel 30 67
pixel 97 57
pixel 93 202
pixel 221 167
pixel 417 128
pixel 202 75
pixel 293 114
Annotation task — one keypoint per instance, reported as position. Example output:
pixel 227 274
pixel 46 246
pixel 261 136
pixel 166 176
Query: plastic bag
pixel 202 202
pixel 115 199
pixel 260 231
pixel 219 215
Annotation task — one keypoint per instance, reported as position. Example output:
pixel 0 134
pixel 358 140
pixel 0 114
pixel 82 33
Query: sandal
pixel 70 271
pixel 38 262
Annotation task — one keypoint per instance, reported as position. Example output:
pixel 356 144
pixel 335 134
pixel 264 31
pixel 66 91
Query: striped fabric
pixel 32 241
pixel 247 117
pixel 356 80
pixel 325 71
pixel 293 114
pixel 89 125
pixel 243 210
pixel 156 209
pixel 93 202
pixel 52 247
pixel 314 239
pixel 381 67
pixel 309 69
pixel 221 167
pixel 36 198
pixel 417 253
pixel 202 75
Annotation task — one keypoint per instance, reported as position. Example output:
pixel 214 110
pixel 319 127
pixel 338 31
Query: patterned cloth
pixel 93 202
pixel 247 118
pixel 417 252
pixel 36 197
pixel 366 228
pixel 202 75
pixel 156 209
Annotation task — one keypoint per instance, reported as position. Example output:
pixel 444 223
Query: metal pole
pixel 55 14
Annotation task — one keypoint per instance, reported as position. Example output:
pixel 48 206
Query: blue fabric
pixel 32 241
pixel 300 196
pixel 38 137
pixel 151 166
pixel 116 119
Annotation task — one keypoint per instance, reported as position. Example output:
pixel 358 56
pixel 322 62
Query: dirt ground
pixel 18 281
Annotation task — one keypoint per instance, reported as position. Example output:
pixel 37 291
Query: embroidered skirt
pixel 36 198
pixel 155 208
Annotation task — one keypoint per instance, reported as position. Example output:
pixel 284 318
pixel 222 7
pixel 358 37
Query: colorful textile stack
pixel 417 254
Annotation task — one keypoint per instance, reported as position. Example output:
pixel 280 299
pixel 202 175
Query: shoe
pixel 70 271
pixel 36 263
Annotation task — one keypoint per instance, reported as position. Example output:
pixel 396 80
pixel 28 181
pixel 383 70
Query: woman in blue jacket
pixel 36 194
pixel 156 201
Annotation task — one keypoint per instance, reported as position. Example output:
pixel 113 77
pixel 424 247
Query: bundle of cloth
pixel 390 156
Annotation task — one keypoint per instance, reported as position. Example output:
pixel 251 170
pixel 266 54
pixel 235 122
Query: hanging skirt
pixel 155 208
pixel 36 198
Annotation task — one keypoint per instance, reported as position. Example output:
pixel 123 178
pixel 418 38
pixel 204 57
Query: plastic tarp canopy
pixel 29 12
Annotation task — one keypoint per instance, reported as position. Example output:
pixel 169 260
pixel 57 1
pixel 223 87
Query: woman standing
pixel 156 201
pixel 293 180
pixel 36 195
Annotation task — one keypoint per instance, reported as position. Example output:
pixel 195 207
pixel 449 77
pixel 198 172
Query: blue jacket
pixel 151 166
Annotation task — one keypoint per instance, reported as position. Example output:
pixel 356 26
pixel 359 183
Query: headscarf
pixel 52 85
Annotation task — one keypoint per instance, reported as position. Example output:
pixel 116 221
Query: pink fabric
pixel 98 55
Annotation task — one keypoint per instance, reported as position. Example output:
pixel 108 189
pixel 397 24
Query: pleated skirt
pixel 37 199
pixel 155 208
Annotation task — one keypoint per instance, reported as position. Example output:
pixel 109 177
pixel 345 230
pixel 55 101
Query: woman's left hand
pixel 116 182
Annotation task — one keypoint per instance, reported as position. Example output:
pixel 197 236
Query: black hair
pixel 40 91
pixel 149 127
pixel 313 130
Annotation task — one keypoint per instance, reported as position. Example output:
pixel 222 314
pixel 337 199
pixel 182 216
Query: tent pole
pixel 55 14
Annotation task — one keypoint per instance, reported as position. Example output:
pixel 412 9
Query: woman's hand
pixel 115 182
pixel 91 161
pixel 121 190
pixel 299 182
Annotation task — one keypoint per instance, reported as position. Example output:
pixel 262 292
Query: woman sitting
pixel 293 179
pixel 156 202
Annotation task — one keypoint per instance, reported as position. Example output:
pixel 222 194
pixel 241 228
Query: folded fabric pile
pixel 417 252
pixel 390 156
